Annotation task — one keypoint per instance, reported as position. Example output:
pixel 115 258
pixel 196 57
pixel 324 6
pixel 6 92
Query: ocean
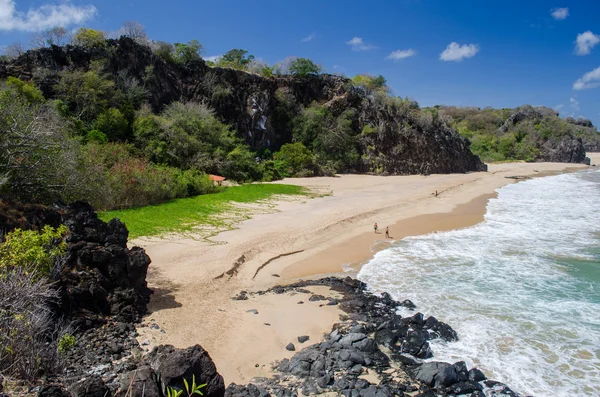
pixel 521 289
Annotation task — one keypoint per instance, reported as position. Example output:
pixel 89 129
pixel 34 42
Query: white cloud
pixel 574 104
pixel 308 38
pixel 558 107
pixel 358 44
pixel 401 54
pixel 213 58
pixel 585 42
pixel 44 17
pixel 560 13
pixel 588 80
pixel 457 52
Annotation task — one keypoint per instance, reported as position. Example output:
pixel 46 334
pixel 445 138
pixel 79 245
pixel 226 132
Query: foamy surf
pixel 522 289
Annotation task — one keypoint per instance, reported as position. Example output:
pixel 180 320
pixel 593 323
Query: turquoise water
pixel 522 289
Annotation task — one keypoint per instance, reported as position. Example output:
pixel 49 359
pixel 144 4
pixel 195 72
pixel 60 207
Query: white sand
pixel 331 231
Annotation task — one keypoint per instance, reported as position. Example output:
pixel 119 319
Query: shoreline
pixel 302 240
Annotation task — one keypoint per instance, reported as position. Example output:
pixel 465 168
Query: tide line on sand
pixel 323 234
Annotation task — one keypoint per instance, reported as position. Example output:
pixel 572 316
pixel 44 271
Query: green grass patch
pixel 182 215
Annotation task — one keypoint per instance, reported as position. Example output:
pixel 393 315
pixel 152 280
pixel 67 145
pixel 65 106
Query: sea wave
pixel 522 289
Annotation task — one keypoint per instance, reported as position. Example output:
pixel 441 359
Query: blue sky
pixel 507 53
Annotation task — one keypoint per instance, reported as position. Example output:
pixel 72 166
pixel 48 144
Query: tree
pixel 34 147
pixel 188 52
pixel 14 50
pixel 294 159
pixel 134 30
pixel 113 124
pixel 47 38
pixel 370 84
pixel 236 58
pixel 303 67
pixel 86 94
pixel 164 50
pixel 89 38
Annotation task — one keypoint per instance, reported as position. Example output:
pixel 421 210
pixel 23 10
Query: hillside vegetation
pixel 129 122
pixel 525 133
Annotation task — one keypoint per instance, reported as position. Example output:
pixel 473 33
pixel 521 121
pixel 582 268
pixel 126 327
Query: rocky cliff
pixel 525 133
pixel 259 108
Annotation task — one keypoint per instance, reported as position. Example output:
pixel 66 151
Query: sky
pixel 437 52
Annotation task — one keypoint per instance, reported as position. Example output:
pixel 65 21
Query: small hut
pixel 217 180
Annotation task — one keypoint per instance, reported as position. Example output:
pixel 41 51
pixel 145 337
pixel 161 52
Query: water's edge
pixel 522 288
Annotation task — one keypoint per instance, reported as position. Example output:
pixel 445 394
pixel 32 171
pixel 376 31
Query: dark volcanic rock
pixel 566 150
pixel 175 365
pixel 90 387
pixel 15 215
pixel 436 374
pixel 99 276
pixel 303 338
pixel 53 391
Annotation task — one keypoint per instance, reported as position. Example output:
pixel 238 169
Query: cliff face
pixel 261 109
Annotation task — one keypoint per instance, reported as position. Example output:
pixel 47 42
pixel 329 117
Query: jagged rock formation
pixel 99 276
pixel 259 108
pixel 587 132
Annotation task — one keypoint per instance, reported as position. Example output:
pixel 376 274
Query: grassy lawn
pixel 182 215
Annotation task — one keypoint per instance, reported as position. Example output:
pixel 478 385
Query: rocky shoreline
pixel 371 351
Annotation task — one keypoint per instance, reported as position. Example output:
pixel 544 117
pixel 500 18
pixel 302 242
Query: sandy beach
pixel 302 238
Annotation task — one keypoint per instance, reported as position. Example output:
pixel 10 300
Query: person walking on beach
pixel 387 232
pixel 375 227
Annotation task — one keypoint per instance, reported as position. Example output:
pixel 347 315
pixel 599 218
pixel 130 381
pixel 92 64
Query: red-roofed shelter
pixel 217 179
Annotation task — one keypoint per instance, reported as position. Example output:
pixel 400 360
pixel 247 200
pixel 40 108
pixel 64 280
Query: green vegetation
pixel 236 58
pixel 370 84
pixel 495 138
pixel 111 132
pixel 28 347
pixel 303 67
pixel 66 343
pixel 31 250
pixel 182 215
pixel 189 389
pixel 89 38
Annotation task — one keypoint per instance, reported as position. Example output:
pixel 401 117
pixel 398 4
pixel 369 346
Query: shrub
pixel 113 124
pixel 294 159
pixel 117 179
pixel 66 343
pixel 25 90
pixel 28 334
pixel 36 156
pixel 31 250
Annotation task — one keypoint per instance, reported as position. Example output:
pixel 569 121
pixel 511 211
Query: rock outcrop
pixel 373 351
pixel 566 148
pixel 167 366
pixel 99 276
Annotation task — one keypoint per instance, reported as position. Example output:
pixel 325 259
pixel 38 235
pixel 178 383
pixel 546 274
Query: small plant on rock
pixel 190 389
pixel 66 343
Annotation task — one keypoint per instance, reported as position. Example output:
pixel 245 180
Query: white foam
pixel 521 312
